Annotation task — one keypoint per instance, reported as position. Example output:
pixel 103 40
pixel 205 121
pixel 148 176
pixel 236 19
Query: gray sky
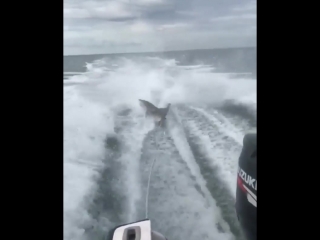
pixel 113 26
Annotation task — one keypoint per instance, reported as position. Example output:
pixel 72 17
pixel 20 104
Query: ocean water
pixel 109 146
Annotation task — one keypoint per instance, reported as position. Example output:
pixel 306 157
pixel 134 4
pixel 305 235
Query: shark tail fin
pixel 166 110
pixel 168 106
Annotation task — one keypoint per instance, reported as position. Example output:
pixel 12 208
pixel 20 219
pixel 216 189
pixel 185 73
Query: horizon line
pixel 167 51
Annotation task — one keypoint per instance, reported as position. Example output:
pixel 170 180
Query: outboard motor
pixel 246 193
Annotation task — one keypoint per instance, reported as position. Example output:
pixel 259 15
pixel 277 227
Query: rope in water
pixel 149 179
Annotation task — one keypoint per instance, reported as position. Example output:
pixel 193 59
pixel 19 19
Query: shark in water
pixel 158 114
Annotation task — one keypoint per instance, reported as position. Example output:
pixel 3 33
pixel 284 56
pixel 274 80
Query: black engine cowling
pixel 246 194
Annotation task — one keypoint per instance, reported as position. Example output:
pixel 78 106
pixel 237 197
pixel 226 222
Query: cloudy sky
pixel 113 26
